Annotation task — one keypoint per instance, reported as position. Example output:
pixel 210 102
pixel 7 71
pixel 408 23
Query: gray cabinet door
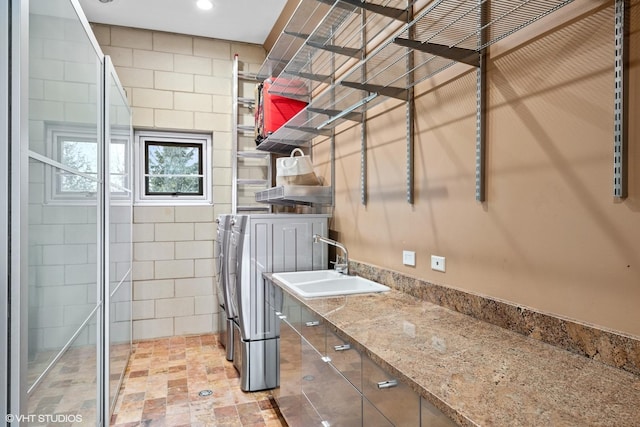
pixel 433 417
pixel 394 399
pixel 371 417
pixel 333 398
pixel 345 358
pixel 289 394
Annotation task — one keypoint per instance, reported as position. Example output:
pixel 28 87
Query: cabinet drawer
pixel 335 399
pixel 394 399
pixel 433 417
pixel 273 295
pixel 345 358
pixel 291 310
pixel 312 328
pixel 371 417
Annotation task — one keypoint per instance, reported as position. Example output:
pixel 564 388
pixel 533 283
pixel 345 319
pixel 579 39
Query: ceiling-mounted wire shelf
pixel 444 33
pixel 335 44
pixel 334 106
pixel 304 20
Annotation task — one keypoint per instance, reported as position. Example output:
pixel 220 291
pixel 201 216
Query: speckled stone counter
pixel 478 373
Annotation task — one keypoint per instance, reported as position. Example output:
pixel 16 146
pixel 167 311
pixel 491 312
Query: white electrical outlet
pixel 409 258
pixel 438 263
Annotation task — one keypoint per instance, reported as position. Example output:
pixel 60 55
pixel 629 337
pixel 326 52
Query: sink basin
pixel 292 278
pixel 325 283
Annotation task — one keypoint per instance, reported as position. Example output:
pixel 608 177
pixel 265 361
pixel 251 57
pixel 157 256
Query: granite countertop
pixel 478 373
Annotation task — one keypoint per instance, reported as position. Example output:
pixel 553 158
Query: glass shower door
pixel 64 215
pixel 118 156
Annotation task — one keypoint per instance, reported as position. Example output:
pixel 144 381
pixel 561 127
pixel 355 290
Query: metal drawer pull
pixel 313 323
pixel 278 313
pixel 342 347
pixel 387 384
pixel 282 317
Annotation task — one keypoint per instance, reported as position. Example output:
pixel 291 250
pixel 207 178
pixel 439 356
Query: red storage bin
pixel 273 111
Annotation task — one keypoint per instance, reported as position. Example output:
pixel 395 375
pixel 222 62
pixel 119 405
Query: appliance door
pixel 220 253
pixel 234 264
pixel 225 298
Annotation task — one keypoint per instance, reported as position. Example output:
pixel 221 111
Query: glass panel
pixel 173 185
pixel 120 237
pixel 67 394
pixel 120 336
pixel 64 103
pixel 64 71
pixel 167 165
pixel 62 268
pixel 342 406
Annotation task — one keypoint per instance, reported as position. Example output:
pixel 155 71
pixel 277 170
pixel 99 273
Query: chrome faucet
pixel 341 264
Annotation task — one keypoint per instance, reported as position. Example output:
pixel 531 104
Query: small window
pixel 75 147
pixel 174 168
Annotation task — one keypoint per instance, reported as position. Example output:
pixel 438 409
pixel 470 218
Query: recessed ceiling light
pixel 204 4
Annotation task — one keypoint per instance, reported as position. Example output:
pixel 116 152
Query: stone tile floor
pixel 164 377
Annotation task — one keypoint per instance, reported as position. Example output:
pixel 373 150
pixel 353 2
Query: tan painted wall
pixel 550 235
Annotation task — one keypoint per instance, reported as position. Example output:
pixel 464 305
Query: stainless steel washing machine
pixel 259 244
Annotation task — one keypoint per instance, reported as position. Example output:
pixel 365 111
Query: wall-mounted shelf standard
pixel 621 98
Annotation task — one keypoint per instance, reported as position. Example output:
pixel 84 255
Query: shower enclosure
pixel 67 211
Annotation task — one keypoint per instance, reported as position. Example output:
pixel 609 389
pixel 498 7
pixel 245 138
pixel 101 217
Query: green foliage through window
pixel 173 168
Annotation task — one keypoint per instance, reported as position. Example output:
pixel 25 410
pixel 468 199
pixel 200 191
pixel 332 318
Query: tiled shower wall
pixel 178 82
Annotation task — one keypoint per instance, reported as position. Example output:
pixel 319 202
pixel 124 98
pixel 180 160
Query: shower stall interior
pixel 68 202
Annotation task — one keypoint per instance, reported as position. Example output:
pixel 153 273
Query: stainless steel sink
pixel 325 283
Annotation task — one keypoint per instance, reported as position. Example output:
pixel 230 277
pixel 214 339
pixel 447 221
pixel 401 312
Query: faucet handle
pixel 340 265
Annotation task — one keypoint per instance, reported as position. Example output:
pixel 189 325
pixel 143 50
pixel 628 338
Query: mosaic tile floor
pixel 164 377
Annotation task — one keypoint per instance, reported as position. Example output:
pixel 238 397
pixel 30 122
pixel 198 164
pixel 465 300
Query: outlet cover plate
pixel 409 258
pixel 438 263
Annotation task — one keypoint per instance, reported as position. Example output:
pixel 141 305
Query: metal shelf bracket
pixel 391 92
pixel 466 56
pixel 390 12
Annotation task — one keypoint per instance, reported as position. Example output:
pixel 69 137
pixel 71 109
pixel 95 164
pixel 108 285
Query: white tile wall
pixel 153 289
pixel 194 250
pixel 174 307
pixel 182 83
pixel 153 328
pixel 174 231
pixel 174 269
pixel 194 324
pixel 197 286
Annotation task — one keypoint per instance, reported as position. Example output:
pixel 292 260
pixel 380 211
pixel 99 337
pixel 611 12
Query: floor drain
pixel 308 378
pixel 205 393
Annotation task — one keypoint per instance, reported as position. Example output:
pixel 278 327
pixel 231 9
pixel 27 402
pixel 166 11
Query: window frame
pixel 142 138
pixel 56 135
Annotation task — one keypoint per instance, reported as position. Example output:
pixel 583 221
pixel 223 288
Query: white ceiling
pixel 247 21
